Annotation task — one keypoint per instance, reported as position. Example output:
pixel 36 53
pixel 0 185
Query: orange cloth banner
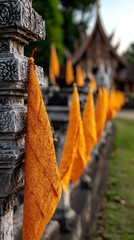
pixel 89 124
pixel 92 85
pixel 116 101
pixel 113 103
pixel 54 65
pixel 73 156
pixel 42 189
pixel 111 108
pixel 105 104
pixel 69 74
pixel 80 158
pixel 79 76
pixel 101 111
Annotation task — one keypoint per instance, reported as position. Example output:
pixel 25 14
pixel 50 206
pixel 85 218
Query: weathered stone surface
pixel 17 219
pixel 52 231
pixel 14 73
pixel 19 14
pixel 6 227
pixel 12 119
pixel 19 24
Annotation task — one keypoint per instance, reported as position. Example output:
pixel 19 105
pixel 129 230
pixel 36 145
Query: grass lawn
pixel 116 221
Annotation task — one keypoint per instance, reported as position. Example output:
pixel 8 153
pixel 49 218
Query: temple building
pixel 97 55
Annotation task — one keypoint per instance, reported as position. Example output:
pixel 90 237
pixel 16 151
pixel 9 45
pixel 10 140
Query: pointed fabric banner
pixel 101 112
pixel 80 158
pixel 79 76
pixel 119 100
pixel 92 84
pixel 54 65
pixel 71 151
pixel 69 74
pixel 116 101
pixel 112 104
pixel 89 124
pixel 98 114
pixel 42 189
pixel 105 104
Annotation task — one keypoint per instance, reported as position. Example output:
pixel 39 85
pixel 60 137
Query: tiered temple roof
pixel 97 48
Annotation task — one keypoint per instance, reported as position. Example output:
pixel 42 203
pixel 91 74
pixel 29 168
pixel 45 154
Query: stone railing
pixel 19 24
pixel 78 210
pixel 75 215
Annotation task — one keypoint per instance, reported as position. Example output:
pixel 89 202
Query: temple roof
pixel 88 41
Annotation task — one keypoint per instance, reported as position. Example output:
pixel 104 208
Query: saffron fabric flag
pixel 119 100
pixel 72 142
pixel 122 99
pixel 80 158
pixel 79 76
pixel 42 190
pixel 116 101
pixel 105 104
pixel 69 74
pixel 92 82
pixel 100 112
pixel 89 124
pixel 112 105
pixel 92 85
pixel 54 65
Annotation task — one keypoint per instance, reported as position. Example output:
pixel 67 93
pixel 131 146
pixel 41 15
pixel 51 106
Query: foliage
pixel 76 14
pixel 117 218
pixel 131 54
pixel 64 20
pixel 54 33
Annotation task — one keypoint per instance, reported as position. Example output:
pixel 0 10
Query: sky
pixel 118 16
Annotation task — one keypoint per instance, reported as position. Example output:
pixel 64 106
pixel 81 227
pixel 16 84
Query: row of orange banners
pixel 84 132
pixel 43 180
pixel 54 70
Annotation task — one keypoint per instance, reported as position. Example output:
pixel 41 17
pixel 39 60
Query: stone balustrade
pixel 75 216
pixel 19 24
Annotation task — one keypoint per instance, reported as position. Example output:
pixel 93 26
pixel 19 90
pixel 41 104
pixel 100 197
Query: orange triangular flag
pixel 89 124
pixel 120 100
pixel 105 104
pixel 79 76
pixel 42 189
pixel 72 141
pixel 100 113
pixel 112 103
pixel 80 158
pixel 69 74
pixel 54 65
pixel 92 85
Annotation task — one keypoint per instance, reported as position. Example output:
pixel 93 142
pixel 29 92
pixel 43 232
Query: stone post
pixel 19 24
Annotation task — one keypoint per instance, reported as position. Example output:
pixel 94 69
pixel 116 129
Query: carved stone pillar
pixel 19 24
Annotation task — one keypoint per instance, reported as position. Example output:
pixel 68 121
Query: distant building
pixel 96 54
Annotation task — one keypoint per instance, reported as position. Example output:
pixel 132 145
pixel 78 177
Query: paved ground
pixel 126 114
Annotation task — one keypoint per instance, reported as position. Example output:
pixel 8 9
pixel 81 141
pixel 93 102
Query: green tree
pixel 48 9
pixel 130 53
pixel 76 15
pixel 64 20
